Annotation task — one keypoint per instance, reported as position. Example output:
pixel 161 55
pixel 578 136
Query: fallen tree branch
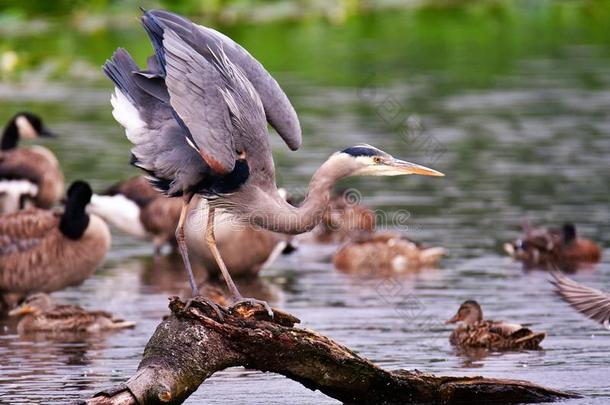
pixel 194 343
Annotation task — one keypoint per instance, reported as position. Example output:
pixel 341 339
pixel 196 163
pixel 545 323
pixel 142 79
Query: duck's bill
pixel 455 319
pixel 404 167
pixel 19 311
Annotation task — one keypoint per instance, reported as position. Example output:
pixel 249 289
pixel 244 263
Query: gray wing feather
pixel 194 87
pixel 278 110
pixel 160 148
pixel 593 303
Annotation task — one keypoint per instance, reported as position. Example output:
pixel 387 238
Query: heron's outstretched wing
pixel 141 106
pixel 593 303
pixel 278 109
pixel 195 89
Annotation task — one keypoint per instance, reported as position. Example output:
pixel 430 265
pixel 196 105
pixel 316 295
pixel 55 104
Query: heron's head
pixel 366 160
pixel 35 304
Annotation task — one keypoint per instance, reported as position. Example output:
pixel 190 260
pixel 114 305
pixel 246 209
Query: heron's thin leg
pixel 182 244
pixel 211 239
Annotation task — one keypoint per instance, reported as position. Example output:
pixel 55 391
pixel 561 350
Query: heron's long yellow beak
pixel 412 168
pixel 22 310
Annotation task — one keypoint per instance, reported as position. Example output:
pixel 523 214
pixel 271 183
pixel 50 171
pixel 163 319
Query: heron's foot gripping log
pixel 193 343
pixel 250 305
pixel 209 302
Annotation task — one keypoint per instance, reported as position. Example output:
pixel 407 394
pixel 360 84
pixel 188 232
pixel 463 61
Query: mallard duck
pixel 28 173
pixel 551 248
pixel 40 314
pixel 385 253
pixel 136 208
pixel 344 220
pixel 590 302
pixel 475 332
pixel 44 251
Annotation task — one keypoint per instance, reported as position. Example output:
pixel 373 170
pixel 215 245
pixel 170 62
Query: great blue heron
pixel 198 118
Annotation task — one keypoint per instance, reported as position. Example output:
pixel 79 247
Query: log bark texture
pixel 195 342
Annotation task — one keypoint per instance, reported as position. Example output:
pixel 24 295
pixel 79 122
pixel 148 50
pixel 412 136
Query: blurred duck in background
pixel 40 314
pixel 136 208
pixel 386 253
pixel 44 251
pixel 28 174
pixel 344 220
pixel 553 248
pixel 246 249
pixel 475 332
pixel 592 303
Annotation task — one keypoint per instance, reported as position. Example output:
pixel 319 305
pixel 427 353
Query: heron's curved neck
pixel 277 215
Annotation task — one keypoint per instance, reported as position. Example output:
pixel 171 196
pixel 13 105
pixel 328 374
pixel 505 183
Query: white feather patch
pixel 128 116
pixel 119 211
pixel 11 192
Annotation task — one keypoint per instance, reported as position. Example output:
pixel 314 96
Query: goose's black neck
pixel 10 137
pixel 75 220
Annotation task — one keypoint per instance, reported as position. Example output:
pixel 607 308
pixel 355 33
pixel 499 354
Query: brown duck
pixel 28 174
pixel 136 208
pixel 344 220
pixel 550 248
pixel 384 254
pixel 44 251
pixel 40 314
pixel 475 332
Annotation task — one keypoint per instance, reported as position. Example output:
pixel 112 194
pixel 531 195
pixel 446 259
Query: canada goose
pixel 136 208
pixel 563 248
pixel 28 173
pixel 475 332
pixel 39 314
pixel 246 249
pixel 590 302
pixel 44 251
pixel 385 253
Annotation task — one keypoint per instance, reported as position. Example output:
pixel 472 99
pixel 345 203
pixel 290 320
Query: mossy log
pixel 194 342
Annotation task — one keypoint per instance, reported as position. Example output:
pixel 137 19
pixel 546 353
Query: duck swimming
pixel 385 253
pixel 549 248
pixel 39 314
pixel 345 219
pixel 28 174
pixel 475 332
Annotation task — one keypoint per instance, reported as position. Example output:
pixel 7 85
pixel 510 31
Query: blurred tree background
pixel 338 41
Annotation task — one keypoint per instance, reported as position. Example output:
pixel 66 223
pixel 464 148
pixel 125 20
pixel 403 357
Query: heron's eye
pixel 377 159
